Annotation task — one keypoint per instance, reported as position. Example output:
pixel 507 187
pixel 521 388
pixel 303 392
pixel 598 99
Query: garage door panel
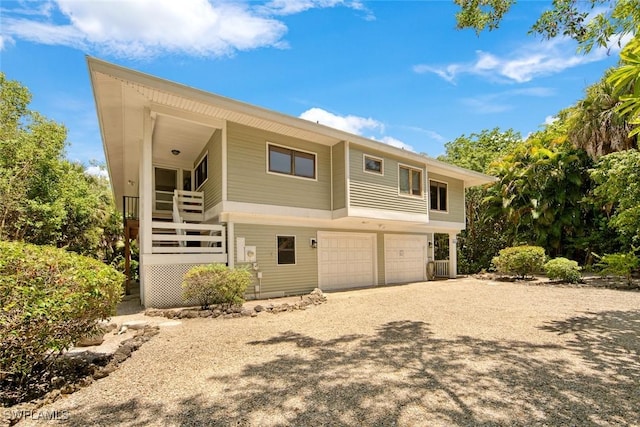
pixel 346 260
pixel 405 258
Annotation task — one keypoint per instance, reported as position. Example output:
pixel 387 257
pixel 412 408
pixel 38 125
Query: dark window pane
pixel 280 160
pixel 416 183
pixel 305 165
pixel 372 165
pixel 443 198
pixel 286 249
pixel 433 192
pixel 404 180
pixel 201 172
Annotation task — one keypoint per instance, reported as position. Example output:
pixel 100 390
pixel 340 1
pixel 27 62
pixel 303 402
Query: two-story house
pixel 206 179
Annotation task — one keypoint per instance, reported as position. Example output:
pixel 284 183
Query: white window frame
pixel 306 178
pixel 197 164
pixel 295 250
pixel 447 193
pixel 364 164
pixel 422 184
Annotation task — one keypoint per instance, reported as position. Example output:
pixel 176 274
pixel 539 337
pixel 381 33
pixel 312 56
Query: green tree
pixel 44 198
pixel 542 184
pixel 591 23
pixel 617 193
pixel 595 124
pixel 485 233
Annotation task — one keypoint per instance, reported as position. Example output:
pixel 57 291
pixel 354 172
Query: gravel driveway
pixel 457 352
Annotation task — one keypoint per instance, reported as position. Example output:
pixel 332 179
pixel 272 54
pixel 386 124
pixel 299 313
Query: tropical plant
pixel 216 284
pixel 563 269
pixel 595 123
pixel 620 264
pixel 49 299
pixel 520 261
pixel 626 83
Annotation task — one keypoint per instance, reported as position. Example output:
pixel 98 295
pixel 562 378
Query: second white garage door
pixel 346 260
pixel 404 258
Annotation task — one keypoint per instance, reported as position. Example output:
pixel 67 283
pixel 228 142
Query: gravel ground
pixel 457 352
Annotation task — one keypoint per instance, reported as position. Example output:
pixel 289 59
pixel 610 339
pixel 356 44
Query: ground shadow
pixel 404 374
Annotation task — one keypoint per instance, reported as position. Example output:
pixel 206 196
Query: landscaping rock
pixel 135 324
pixel 258 308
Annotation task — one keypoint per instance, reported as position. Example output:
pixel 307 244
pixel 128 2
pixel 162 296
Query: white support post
pixel 453 255
pixel 145 189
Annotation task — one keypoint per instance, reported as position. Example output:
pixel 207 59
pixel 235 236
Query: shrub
pixel 49 299
pixel 620 264
pixel 216 284
pixel 519 261
pixel 563 269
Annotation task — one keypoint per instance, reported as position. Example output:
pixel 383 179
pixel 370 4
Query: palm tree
pixel 595 124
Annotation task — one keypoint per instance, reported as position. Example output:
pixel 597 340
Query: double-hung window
pixel 438 196
pixel 288 161
pixel 410 181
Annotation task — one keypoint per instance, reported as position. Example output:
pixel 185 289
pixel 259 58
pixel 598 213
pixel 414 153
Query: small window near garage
pixel 438 196
pixel 288 161
pixel 410 181
pixel 286 249
pixel 201 171
pixel 373 164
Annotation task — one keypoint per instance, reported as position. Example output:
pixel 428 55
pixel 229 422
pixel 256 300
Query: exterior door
pixel 346 260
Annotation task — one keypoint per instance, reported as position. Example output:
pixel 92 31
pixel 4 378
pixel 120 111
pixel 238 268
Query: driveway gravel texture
pixel 460 352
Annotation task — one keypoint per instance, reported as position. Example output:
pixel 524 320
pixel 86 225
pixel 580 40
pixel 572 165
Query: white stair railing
pixel 190 205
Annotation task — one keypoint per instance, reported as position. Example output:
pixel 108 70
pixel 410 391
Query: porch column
pixel 145 192
pixel 231 245
pixel 453 255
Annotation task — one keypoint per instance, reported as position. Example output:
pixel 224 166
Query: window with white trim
pixel 373 164
pixel 201 171
pixel 288 161
pixel 286 249
pixel 410 181
pixel 438 196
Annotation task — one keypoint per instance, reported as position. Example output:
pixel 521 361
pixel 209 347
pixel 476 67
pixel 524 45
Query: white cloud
pixel 353 124
pixel 550 120
pixel 147 28
pixel 97 171
pixel 525 64
pixel 395 143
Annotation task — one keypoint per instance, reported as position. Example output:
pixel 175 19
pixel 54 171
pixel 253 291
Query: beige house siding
pixel 381 257
pixel 282 279
pixel 339 176
pixel 248 180
pixel 455 200
pixel 368 190
pixel 212 188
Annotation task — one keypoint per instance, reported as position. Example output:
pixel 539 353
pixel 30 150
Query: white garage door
pixel 346 260
pixel 404 258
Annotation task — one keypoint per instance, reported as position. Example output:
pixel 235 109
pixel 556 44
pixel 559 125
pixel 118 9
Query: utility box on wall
pixel 250 254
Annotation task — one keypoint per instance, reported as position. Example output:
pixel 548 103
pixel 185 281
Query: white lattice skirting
pixel 163 285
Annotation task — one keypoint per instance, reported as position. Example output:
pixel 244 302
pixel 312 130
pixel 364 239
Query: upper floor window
pixel 292 162
pixel 410 181
pixel 438 195
pixel 201 171
pixel 373 164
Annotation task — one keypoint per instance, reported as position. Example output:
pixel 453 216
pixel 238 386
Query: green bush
pixel 563 269
pixel 216 284
pixel 519 261
pixel 620 264
pixel 50 299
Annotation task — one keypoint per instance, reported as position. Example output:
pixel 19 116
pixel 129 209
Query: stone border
pixel 316 297
pixel 92 360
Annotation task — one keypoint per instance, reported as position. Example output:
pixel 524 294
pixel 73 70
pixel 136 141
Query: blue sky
pixel 395 71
